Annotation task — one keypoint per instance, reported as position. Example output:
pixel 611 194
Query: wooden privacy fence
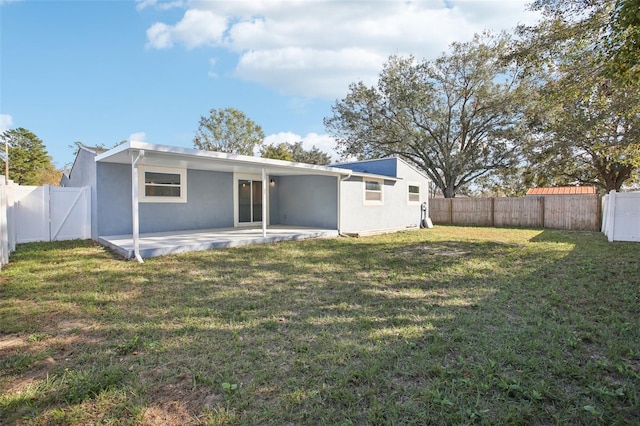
pixel 574 212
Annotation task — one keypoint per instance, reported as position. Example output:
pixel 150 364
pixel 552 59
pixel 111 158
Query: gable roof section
pixel 93 149
pixel 386 166
pixel 170 156
pixel 562 190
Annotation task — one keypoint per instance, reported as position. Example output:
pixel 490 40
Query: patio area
pixel 163 243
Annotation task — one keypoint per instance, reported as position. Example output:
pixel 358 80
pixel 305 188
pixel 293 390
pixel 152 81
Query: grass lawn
pixel 450 325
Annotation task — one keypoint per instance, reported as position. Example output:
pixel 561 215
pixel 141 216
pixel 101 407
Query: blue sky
pixel 103 71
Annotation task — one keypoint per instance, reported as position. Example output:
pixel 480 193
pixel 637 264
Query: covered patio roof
pixel 170 156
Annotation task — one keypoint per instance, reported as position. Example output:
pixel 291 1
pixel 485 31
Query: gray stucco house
pixel 140 188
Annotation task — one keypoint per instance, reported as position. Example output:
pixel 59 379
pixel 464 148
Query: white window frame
pixel 143 169
pixel 413 202
pixel 252 177
pixel 365 190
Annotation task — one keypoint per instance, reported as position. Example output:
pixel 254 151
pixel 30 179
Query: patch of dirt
pixel 66 327
pixel 167 413
pixel 179 401
pixel 10 343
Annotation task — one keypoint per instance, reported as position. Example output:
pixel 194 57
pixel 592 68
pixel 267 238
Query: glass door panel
pixel 244 200
pixel 257 200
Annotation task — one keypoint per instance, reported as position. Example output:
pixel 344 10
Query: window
pixel 413 193
pixel 162 185
pixel 373 191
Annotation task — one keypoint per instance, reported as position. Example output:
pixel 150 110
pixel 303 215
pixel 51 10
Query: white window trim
pixel 414 203
pixel 142 169
pixel 244 176
pixel 366 202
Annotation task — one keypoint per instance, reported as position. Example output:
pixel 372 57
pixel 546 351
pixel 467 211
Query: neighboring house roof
pixel 170 156
pixel 94 149
pixel 562 190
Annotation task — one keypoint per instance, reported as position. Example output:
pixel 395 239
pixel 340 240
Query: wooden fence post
pixel 542 207
pixel 450 211
pixel 493 219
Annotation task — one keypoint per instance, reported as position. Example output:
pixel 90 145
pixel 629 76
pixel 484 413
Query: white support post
pixel 134 205
pixel 264 202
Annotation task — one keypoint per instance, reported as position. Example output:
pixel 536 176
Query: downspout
pixel 134 205
pixel 264 203
pixel 340 180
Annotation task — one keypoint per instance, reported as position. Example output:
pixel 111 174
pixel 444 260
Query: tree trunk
pixel 449 191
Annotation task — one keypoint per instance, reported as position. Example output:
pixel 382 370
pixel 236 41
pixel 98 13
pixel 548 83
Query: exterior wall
pixel 274 201
pixel 301 200
pixel 83 173
pixel 308 201
pixel 396 212
pixel 209 203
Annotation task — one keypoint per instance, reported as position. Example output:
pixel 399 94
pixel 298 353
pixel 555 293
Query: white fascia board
pixel 221 156
pixel 375 176
pixel 113 151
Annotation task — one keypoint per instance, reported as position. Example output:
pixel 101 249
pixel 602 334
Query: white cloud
pixel 316 48
pixel 138 136
pixel 162 5
pixel 6 122
pixel 309 72
pixel 324 143
pixel 197 28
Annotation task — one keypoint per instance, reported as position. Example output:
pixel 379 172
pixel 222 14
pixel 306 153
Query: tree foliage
pixel 29 162
pixel 612 25
pixel 623 42
pixel 228 130
pixel 457 117
pixel 296 152
pixel 277 152
pixel 586 119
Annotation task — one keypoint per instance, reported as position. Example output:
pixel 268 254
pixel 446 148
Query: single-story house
pixel 146 195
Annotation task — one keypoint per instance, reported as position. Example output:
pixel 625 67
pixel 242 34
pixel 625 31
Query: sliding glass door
pixel 249 201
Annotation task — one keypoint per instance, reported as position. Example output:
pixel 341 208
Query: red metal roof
pixel 562 190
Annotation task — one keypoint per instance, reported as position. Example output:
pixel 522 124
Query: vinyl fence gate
pixel 51 213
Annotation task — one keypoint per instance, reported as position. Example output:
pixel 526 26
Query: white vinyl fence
pixel 7 233
pixel 42 213
pixel 621 216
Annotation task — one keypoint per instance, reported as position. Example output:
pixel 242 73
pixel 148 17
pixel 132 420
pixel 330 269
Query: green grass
pixel 444 326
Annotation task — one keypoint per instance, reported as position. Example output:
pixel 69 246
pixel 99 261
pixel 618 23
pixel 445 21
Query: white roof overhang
pixel 170 156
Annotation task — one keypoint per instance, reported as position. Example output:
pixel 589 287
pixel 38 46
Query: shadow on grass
pixel 417 327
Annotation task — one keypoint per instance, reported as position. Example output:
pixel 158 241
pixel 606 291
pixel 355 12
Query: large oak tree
pixel 457 117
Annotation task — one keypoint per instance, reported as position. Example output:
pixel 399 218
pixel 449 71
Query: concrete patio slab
pixel 163 243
